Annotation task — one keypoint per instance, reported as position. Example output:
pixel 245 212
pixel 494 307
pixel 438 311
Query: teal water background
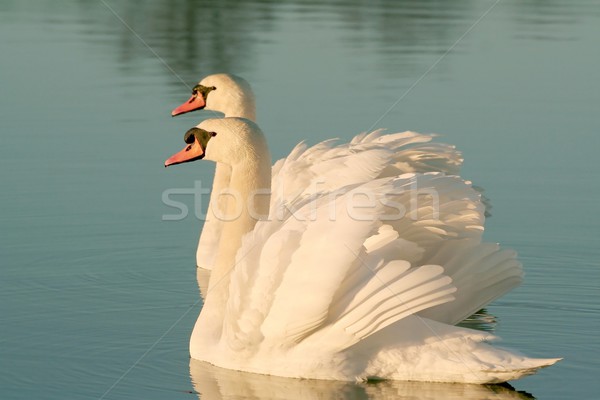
pixel 98 293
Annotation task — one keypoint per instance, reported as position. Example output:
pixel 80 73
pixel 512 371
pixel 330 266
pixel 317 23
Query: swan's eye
pixel 213 134
pixel 197 89
pixel 190 135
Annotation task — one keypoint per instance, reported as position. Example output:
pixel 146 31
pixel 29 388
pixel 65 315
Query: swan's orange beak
pixel 191 152
pixel 194 103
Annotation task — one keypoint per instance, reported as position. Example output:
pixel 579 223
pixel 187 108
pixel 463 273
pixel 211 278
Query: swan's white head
pixel 232 141
pixel 225 93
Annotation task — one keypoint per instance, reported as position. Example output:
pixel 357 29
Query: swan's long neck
pixel 246 182
pixel 245 205
pixel 242 109
pixel 247 201
pixel 237 106
pixel 234 100
pixel 211 230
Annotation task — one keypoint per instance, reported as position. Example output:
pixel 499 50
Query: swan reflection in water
pixel 214 383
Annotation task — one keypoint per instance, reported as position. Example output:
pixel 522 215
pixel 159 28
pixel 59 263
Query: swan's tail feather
pixel 427 350
pixel 499 365
pixel 532 366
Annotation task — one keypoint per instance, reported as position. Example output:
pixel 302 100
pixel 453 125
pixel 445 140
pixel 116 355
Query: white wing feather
pixel 279 260
pixel 328 166
pixel 316 279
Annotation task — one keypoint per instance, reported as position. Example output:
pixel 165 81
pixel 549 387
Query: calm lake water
pixel 98 294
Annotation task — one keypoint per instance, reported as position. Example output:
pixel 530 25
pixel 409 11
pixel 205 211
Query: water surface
pixel 98 293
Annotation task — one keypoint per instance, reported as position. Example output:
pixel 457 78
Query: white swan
pixel 233 96
pixel 355 282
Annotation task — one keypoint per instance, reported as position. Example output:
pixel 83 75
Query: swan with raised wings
pixel 232 95
pixel 358 280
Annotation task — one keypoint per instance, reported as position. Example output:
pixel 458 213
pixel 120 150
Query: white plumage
pixel 361 276
pixel 409 151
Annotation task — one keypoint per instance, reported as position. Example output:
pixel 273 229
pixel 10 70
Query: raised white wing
pixel 328 166
pixel 317 271
pixel 325 269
